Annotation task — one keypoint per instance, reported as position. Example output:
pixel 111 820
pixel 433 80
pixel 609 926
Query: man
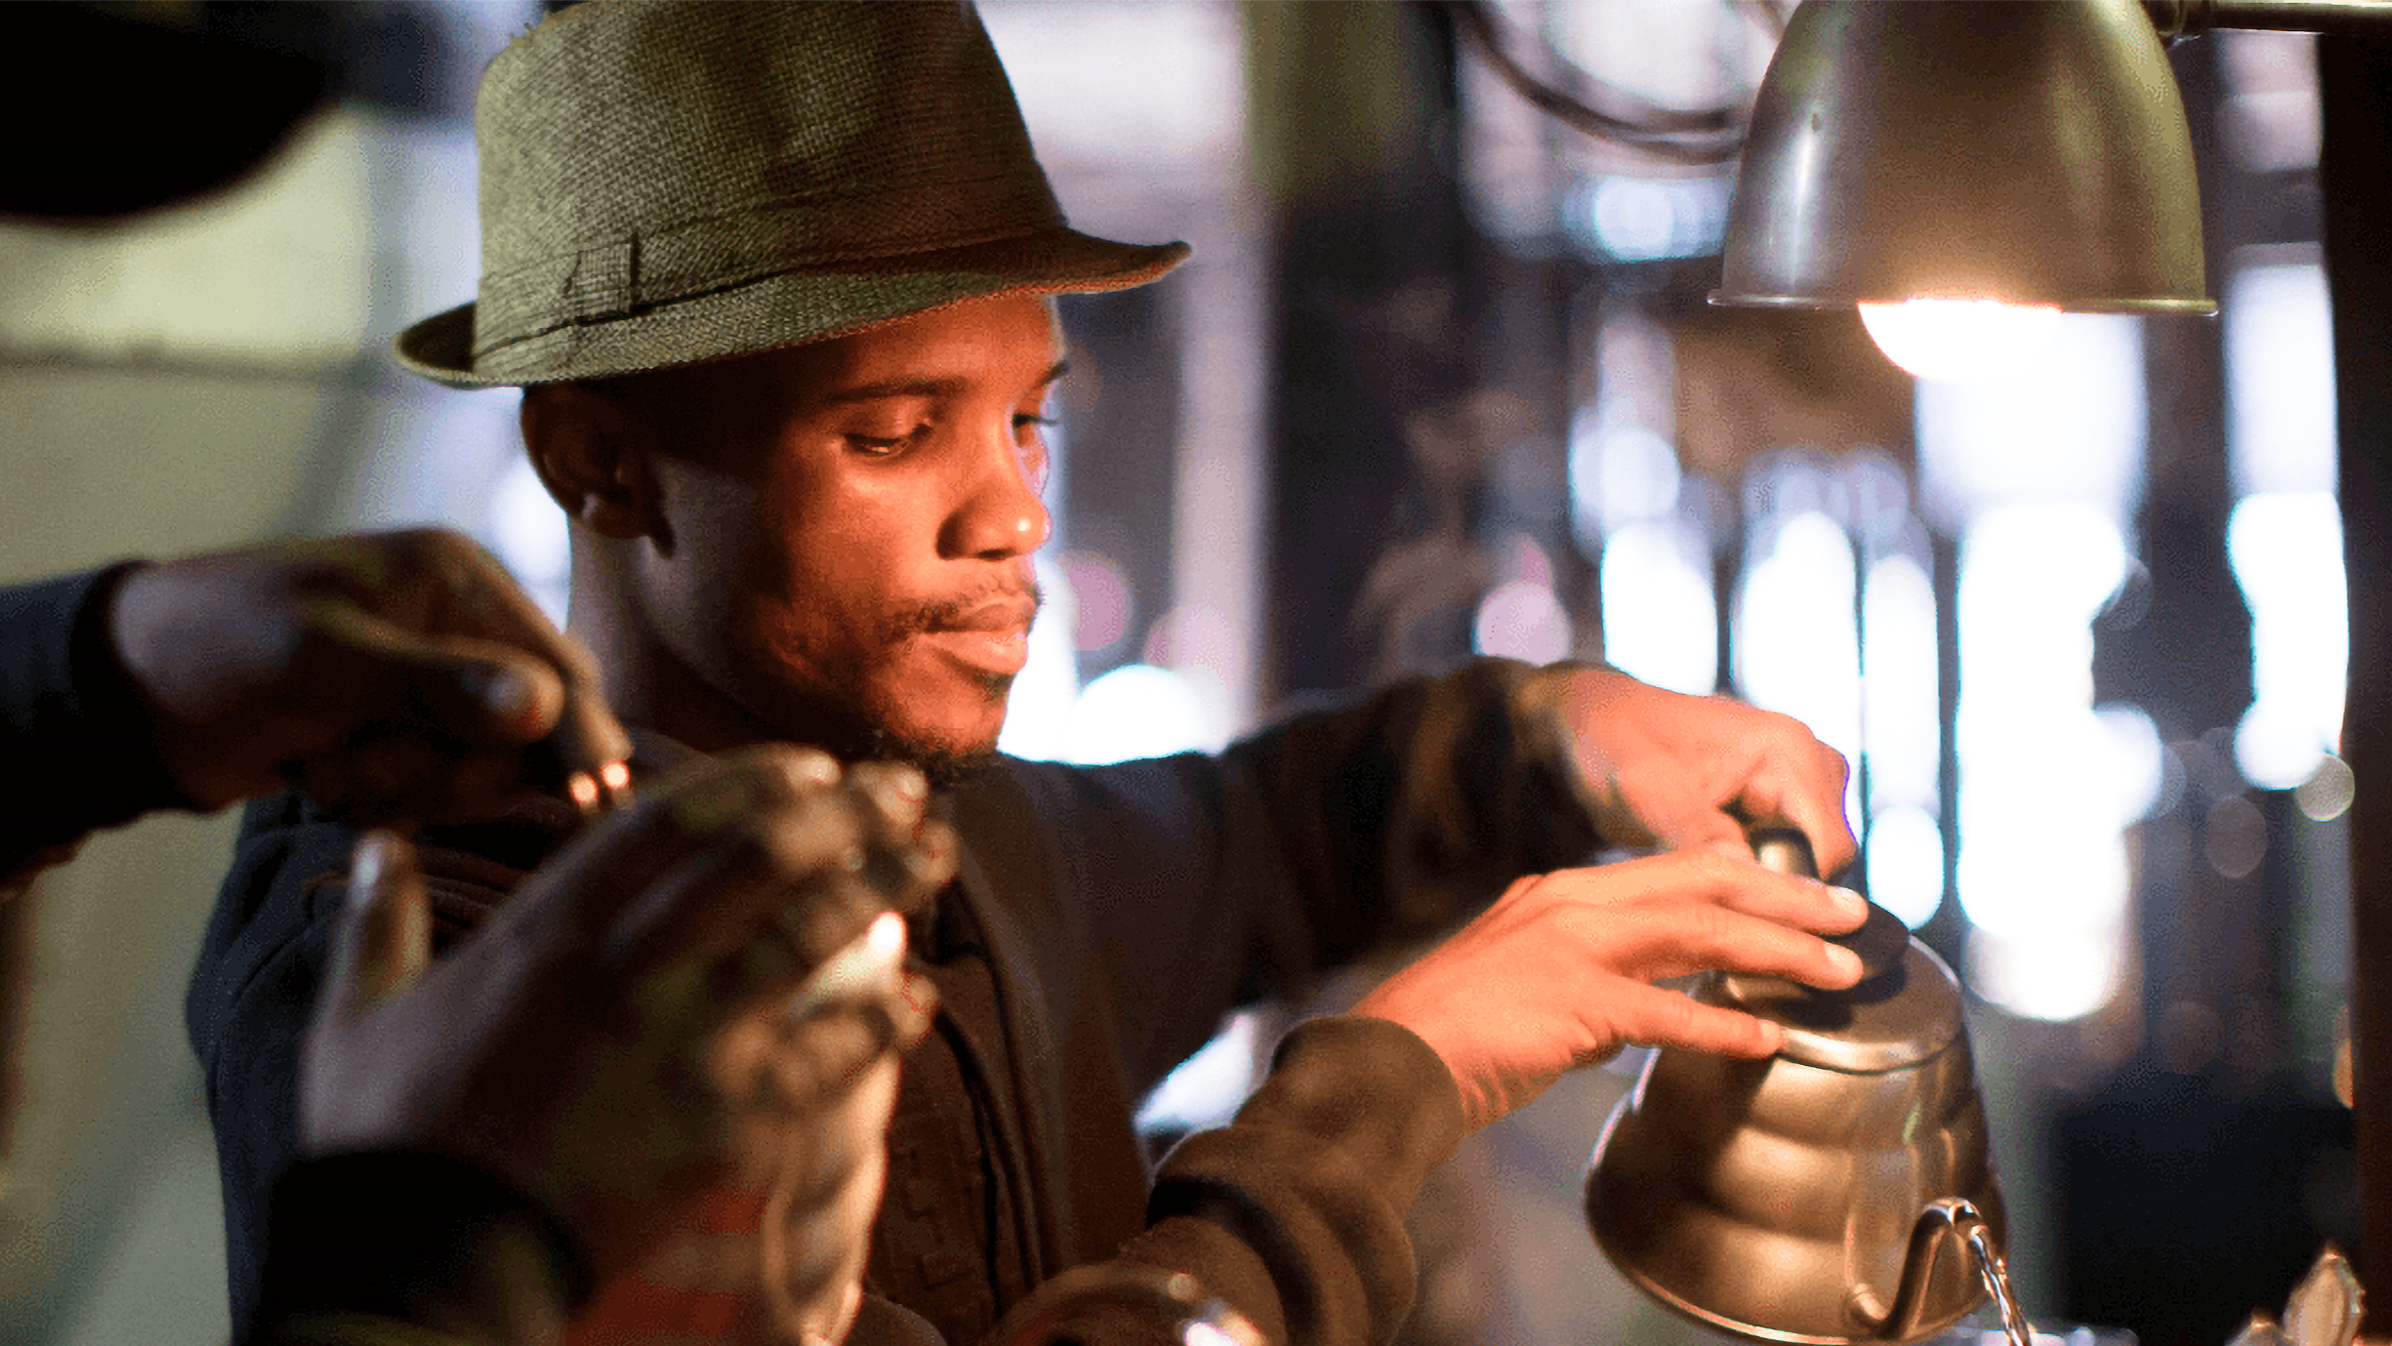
pixel 403 675
pixel 773 277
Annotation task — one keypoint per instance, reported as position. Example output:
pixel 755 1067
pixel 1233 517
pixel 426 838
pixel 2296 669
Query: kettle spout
pixel 1947 1223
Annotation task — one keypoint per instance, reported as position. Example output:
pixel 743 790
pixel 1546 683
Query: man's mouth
pixel 990 637
pixel 1008 613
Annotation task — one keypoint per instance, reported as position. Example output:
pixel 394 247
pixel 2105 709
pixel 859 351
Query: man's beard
pixel 946 766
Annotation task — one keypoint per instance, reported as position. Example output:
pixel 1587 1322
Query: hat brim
pixel 803 304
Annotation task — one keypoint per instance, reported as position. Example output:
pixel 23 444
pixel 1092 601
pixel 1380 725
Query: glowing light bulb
pixel 1960 340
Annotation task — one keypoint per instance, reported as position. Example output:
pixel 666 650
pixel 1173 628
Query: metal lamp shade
pixel 2028 151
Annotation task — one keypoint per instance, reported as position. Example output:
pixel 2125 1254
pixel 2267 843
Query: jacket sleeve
pixel 1207 882
pixel 264 954
pixel 252 989
pixel 1292 1215
pixel 73 732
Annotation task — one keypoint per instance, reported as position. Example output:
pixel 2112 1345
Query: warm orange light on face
pixel 1960 339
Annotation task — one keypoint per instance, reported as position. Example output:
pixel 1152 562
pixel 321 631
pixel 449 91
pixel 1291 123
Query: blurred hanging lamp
pixel 1965 170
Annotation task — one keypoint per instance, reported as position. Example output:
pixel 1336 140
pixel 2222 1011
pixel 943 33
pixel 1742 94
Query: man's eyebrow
pixel 873 392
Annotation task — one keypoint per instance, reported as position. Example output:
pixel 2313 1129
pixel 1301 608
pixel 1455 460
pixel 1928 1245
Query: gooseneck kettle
pixel 1838 1193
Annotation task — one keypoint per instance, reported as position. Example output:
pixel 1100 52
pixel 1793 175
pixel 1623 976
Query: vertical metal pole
pixel 2355 176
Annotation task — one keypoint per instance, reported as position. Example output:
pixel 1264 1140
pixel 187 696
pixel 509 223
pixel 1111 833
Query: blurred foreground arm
pixel 396 677
pixel 490 1136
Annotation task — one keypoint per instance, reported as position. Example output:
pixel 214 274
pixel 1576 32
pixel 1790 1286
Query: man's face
pixel 851 539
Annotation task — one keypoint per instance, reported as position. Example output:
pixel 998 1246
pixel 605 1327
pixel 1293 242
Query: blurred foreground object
pixel 2323 1310
pixel 122 109
pixel 703 989
pixel 1123 1304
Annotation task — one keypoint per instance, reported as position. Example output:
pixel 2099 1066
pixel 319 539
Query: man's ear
pixel 594 455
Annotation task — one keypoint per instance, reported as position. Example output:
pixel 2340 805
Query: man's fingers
pixel 475 690
pixel 917 1003
pixel 1747 918
pixel 464 602
pixel 1697 940
pixel 817 1221
pixel 1801 781
pixel 383 941
pixel 1653 1017
pixel 1737 882
pixel 812 871
pixel 770 1059
pixel 1686 820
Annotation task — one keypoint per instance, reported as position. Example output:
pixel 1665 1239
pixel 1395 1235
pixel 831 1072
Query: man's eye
pixel 1025 421
pixel 880 444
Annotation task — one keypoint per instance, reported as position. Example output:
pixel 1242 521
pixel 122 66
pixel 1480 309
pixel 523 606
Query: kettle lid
pixel 1905 1008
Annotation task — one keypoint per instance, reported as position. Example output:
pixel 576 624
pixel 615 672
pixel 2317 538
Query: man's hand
pixel 608 1040
pixel 1688 773
pixel 1558 973
pixel 396 676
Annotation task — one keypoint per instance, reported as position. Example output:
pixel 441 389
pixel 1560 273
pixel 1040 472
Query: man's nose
pixel 1000 513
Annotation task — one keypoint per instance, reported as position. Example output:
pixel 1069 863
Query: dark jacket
pixel 73 730
pixel 1122 911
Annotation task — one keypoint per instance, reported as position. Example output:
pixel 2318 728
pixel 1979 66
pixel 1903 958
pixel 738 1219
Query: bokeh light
pixel 2234 837
pixel 1137 710
pixel 1901 684
pixel 1797 635
pixel 2136 761
pixel 1660 615
pixel 1106 606
pixel 1522 620
pixel 2044 978
pixel 2286 550
pixel 1906 864
pixel 2328 792
pixel 2042 869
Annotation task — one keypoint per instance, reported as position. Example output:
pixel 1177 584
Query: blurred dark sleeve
pixel 73 734
pixel 1293 1214
pixel 369 1246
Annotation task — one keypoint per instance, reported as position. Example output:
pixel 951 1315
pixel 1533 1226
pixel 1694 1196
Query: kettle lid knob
pixel 1904 1009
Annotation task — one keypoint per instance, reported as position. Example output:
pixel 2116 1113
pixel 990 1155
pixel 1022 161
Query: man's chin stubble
pixel 945 765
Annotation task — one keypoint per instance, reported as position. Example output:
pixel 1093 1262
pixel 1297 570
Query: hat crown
pixel 670 181
pixel 635 150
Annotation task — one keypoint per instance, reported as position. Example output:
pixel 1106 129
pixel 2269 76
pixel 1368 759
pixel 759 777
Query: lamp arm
pixel 1687 136
pixel 2177 19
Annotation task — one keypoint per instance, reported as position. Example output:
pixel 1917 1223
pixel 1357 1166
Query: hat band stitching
pixel 483 350
pixel 610 279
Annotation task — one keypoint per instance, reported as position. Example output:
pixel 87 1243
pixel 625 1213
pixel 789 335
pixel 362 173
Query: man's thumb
pixel 384 939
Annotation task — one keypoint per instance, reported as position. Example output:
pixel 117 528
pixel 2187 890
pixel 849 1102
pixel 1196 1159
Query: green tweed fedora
pixel 670 181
